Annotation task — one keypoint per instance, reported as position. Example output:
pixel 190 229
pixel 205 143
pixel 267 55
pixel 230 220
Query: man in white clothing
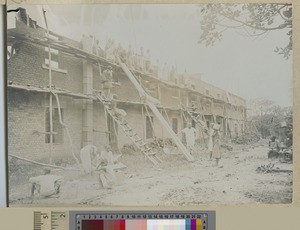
pixel 87 155
pixel 190 136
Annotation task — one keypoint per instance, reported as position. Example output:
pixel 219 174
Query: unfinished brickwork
pixel 86 118
pixel 26 125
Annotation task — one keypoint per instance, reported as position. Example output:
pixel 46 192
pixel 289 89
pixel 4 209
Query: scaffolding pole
pixel 67 131
pixel 50 87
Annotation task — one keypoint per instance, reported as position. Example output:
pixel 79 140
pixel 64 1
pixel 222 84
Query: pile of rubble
pixel 265 168
pixel 226 146
pixel 270 168
pixel 129 149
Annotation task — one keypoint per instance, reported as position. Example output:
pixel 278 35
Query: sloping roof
pixel 72 47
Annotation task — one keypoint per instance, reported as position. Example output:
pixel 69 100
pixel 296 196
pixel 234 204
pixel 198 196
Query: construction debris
pixel 129 149
pixel 265 168
pixel 226 146
pixel 269 168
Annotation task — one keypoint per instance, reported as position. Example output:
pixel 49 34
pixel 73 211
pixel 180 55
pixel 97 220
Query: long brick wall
pixel 26 68
pixel 27 119
pixel 27 110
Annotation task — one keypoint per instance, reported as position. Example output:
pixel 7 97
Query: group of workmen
pixel 135 60
pixel 101 162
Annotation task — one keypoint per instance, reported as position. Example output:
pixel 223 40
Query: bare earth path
pixel 178 182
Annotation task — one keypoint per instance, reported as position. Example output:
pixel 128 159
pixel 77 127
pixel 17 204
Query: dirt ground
pixel 174 182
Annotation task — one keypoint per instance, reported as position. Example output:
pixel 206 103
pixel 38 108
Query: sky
pixel 243 65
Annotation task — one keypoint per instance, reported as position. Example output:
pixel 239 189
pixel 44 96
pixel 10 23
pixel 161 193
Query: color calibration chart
pixel 160 220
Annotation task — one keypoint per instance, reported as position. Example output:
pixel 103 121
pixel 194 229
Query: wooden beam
pixel 149 101
pixel 74 95
pixel 42 164
pixel 170 131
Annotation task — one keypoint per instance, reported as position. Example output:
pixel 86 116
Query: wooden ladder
pixel 151 102
pixel 194 118
pixel 128 130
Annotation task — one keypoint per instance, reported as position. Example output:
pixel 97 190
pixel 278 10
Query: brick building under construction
pixel 79 117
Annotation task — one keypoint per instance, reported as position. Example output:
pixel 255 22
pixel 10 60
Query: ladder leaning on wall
pixel 150 101
pixel 128 130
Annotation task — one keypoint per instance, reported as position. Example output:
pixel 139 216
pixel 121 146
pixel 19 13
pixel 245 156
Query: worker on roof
pixel 172 73
pixel 109 50
pixel 120 53
pixel 99 51
pixel 141 60
pixel 165 72
pixel 156 69
pixel 94 45
pixel 129 56
pixel 147 61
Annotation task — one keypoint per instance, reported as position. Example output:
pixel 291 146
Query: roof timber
pixel 71 94
pixel 77 52
pixel 63 92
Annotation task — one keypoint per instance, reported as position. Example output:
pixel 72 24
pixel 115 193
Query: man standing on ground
pixel 87 155
pixel 274 147
pixel 217 146
pixel 214 142
pixel 210 144
pixel 190 136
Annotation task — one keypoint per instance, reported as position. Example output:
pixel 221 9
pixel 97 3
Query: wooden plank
pixel 133 80
pixel 42 164
pixel 170 131
pixel 119 166
pixel 159 116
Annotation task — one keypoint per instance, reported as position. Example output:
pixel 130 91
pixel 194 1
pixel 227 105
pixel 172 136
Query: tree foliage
pixel 268 117
pixel 252 19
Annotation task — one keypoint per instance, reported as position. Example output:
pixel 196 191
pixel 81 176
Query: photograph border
pixel 295 90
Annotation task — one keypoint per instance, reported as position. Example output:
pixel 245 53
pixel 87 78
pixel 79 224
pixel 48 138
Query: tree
pixel 268 117
pixel 252 19
pixel 260 107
